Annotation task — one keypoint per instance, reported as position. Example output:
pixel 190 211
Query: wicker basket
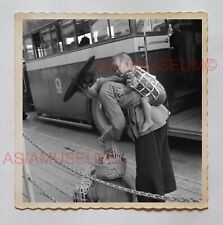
pixel 80 194
pixel 111 171
pixel 145 83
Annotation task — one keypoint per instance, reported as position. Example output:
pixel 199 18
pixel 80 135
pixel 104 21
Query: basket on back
pixel 144 83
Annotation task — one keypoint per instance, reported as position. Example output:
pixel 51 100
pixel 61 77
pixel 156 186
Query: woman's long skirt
pixel 154 171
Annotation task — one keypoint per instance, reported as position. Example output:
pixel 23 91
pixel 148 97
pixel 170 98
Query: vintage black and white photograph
pixel 111 110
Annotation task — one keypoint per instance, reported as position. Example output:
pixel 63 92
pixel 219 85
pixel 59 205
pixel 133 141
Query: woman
pixel 154 172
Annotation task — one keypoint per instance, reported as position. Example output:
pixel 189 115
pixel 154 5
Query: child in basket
pixel 152 91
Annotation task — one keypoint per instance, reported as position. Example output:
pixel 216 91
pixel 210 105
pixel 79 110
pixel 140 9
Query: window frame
pixel 63 37
pixel 129 25
pixel 78 44
pixel 109 33
pixel 25 49
pixel 57 38
pixel 131 34
pixel 42 41
pixel 151 33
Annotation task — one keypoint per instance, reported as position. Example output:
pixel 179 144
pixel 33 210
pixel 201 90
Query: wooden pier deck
pixel 186 124
pixel 61 183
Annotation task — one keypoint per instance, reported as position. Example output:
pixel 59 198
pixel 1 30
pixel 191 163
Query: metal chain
pixel 41 189
pixel 115 186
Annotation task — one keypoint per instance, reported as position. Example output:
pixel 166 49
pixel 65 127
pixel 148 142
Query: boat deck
pixel 186 124
pixel 61 140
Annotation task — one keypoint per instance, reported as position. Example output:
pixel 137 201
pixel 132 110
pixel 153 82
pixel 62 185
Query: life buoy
pixel 100 120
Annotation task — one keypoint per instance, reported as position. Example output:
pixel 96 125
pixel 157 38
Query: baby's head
pixel 122 63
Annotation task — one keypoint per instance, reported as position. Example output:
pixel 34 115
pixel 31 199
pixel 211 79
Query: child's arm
pixel 114 78
pixel 127 89
pixel 123 90
pixel 95 88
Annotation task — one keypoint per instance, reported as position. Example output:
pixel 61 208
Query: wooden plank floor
pixel 186 123
pixel 61 183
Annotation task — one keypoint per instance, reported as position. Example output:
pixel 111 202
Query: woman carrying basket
pixel 154 172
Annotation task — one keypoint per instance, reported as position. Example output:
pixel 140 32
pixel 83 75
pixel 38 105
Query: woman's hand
pixel 120 91
pixel 101 140
pixel 100 81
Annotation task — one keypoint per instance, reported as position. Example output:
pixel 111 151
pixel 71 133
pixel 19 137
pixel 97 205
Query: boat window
pixel 56 38
pixel 100 30
pixel 83 32
pixel 47 42
pixel 38 48
pixel 152 25
pixel 28 46
pixel 119 28
pixel 68 33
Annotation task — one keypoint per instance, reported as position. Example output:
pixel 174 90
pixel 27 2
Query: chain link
pixel 115 186
pixel 40 188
